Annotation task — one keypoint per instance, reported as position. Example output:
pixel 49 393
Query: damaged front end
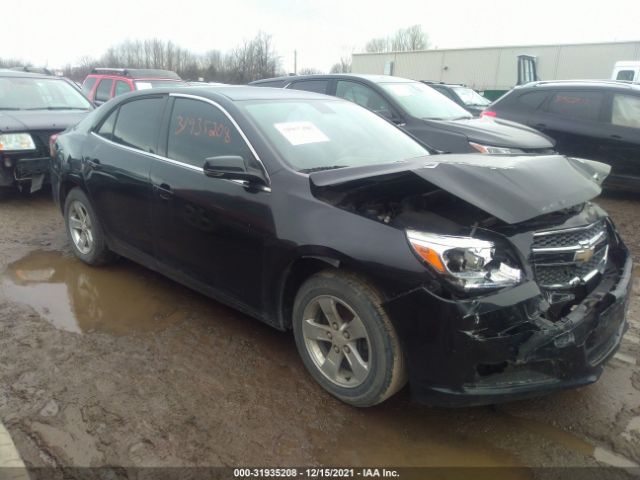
pixel 550 276
pixel 517 342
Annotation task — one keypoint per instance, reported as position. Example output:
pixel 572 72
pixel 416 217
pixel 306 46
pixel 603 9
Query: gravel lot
pixel 119 366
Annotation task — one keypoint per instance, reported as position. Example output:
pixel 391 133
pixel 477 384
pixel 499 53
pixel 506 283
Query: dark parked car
pixel 466 97
pixel 482 278
pixel 427 115
pixel 33 107
pixel 597 120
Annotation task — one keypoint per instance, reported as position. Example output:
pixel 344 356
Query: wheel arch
pixel 302 268
pixel 68 183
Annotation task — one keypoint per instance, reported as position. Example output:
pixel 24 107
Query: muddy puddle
pixel 117 299
pixel 259 383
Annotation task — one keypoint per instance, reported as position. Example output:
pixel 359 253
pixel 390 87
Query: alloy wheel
pixel 337 341
pixel 80 227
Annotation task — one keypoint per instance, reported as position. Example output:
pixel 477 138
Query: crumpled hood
pixel 511 188
pixel 497 132
pixel 22 120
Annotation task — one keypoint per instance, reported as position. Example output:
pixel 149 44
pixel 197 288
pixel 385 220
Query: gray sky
pixel 321 30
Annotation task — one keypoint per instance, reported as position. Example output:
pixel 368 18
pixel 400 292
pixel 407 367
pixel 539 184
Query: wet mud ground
pixel 120 366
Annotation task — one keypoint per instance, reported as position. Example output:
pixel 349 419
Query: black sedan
pixel 598 120
pixel 33 107
pixel 480 278
pixel 431 118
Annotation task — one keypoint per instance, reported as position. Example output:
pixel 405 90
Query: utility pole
pixel 295 62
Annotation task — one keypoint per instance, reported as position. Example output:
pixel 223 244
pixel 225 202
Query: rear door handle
pixel 616 137
pixel 164 191
pixel 540 125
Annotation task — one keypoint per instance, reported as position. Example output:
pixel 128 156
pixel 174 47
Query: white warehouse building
pixel 493 69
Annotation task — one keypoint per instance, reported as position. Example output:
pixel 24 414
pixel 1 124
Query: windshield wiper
pixel 10 108
pixel 57 108
pixel 319 169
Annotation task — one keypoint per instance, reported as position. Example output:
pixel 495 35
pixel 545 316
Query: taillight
pixel 52 144
pixel 488 113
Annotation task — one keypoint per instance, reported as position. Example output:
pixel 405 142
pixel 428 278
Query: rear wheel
pixel 346 339
pixel 84 229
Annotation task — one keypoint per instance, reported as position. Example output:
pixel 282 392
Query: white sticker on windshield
pixel 143 86
pixel 301 133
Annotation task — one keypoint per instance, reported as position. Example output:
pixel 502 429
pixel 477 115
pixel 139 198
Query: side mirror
pixel 232 167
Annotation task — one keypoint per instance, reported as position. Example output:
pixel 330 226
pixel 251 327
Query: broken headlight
pixel 467 263
pixel 16 142
pixel 495 150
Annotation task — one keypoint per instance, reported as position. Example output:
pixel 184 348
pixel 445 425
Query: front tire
pixel 346 340
pixel 84 229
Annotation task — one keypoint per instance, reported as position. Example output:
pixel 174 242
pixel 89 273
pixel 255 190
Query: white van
pixel 626 71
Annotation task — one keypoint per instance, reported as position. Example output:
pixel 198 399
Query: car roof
pixel 604 84
pixel 20 74
pixel 136 73
pixel 442 84
pixel 346 76
pixel 236 93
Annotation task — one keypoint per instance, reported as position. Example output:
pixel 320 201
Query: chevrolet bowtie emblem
pixel 584 255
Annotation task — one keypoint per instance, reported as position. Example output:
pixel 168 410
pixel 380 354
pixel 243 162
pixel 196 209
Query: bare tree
pixel 410 39
pixel 343 66
pixel 403 40
pixel 309 71
pixel 251 60
pixel 377 45
pixel 13 62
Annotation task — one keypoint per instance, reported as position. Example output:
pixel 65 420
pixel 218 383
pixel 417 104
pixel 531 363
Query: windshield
pixel 470 96
pixel 422 101
pixel 313 135
pixel 22 93
pixel 146 84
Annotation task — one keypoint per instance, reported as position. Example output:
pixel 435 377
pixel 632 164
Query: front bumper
pixel 35 170
pixel 502 347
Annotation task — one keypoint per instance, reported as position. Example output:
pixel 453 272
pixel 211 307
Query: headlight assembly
pixel 16 142
pixel 468 263
pixel 496 150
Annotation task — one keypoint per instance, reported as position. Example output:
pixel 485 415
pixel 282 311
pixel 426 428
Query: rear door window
pixel 106 129
pixel 103 93
pixel 199 131
pixel 317 86
pixel 581 105
pixel 533 100
pixel 121 88
pixel 138 123
pixel 626 111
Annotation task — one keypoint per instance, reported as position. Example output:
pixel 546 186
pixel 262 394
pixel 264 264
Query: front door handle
pixel 616 137
pixel 164 191
pixel 540 126
pixel 93 163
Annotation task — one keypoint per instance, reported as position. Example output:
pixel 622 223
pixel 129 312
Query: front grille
pixel 565 258
pixel 564 238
